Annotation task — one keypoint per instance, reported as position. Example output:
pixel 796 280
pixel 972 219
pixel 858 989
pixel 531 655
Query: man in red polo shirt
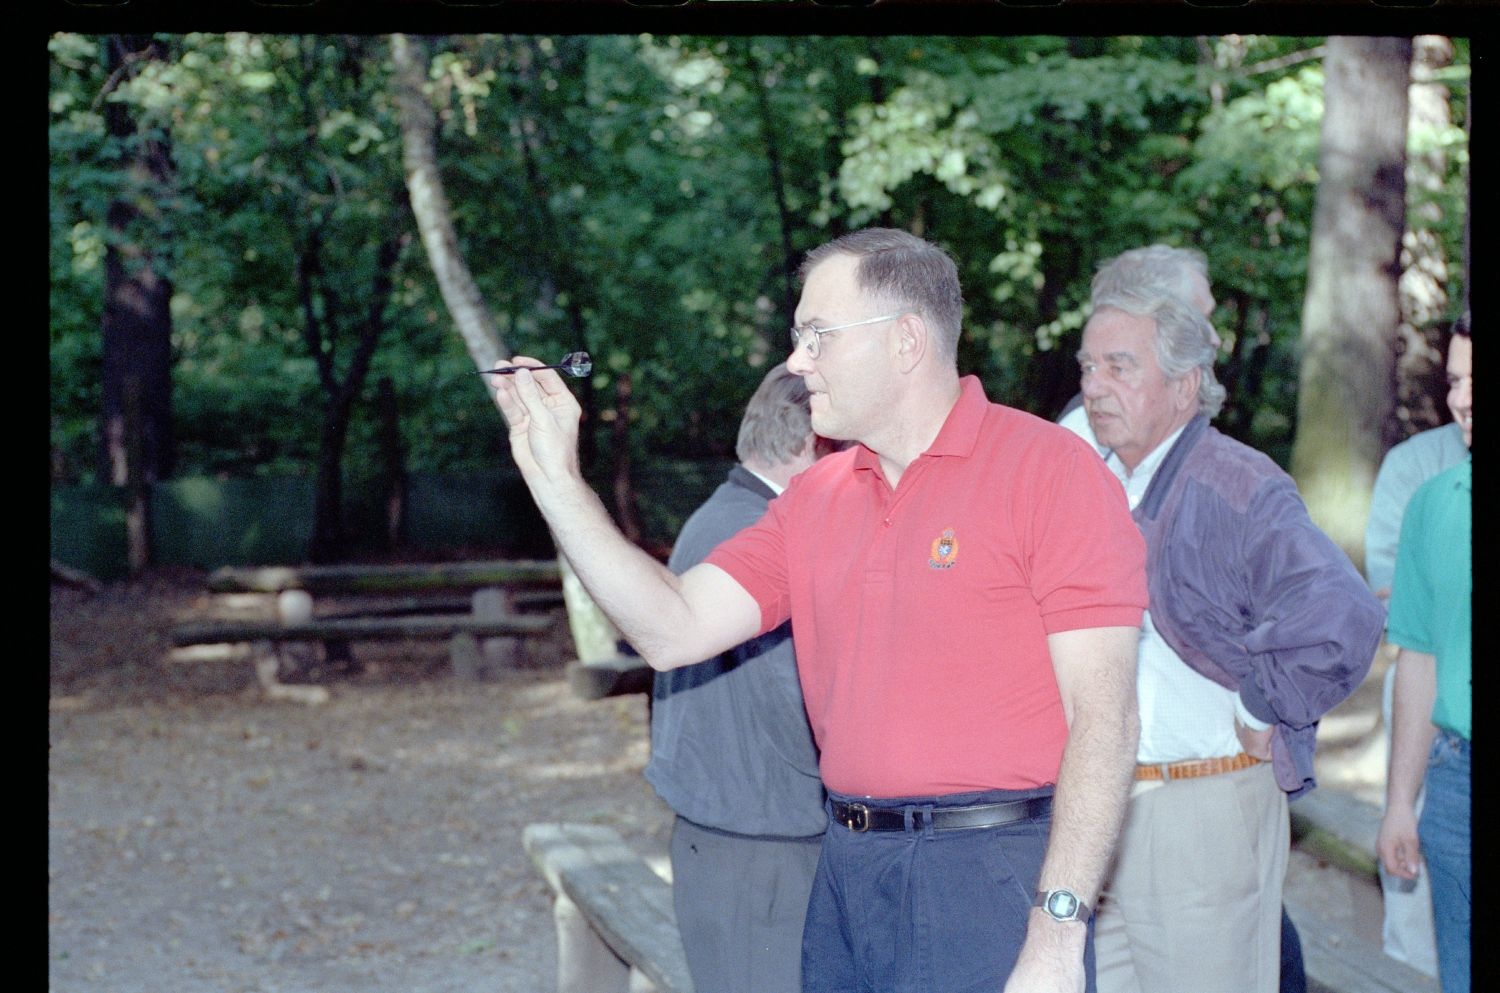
pixel 965 588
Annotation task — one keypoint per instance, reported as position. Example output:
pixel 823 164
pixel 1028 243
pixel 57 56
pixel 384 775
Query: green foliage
pixel 625 193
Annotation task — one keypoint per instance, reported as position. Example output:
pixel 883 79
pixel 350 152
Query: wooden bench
pixel 616 929
pixel 412 606
pixel 1341 828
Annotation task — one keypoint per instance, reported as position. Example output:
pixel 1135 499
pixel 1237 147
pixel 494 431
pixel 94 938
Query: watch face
pixel 1062 904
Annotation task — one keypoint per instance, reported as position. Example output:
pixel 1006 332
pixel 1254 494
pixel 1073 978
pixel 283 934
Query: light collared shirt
pixel 774 486
pixel 1184 715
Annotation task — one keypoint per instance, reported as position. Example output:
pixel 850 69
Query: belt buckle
pixel 856 817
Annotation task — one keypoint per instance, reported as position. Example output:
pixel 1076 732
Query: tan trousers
pixel 1193 904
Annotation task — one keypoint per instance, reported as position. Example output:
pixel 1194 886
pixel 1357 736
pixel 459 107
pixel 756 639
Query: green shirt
pixel 1432 597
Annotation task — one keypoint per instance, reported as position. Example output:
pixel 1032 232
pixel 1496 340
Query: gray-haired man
pixel 1179 272
pixel 1258 624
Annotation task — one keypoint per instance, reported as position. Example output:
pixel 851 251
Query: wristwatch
pixel 1062 905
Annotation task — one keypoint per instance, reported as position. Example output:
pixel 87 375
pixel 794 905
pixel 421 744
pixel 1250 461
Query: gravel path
pixel 203 838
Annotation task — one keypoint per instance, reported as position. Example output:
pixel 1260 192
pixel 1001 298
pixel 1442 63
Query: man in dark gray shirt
pixel 731 751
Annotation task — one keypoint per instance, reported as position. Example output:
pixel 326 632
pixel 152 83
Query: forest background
pixel 251 284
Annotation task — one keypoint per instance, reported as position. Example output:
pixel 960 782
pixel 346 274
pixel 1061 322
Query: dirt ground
pixel 202 837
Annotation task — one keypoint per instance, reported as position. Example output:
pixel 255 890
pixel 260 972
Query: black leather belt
pixel 858 817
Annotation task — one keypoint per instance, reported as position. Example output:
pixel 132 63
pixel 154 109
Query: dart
pixel 575 364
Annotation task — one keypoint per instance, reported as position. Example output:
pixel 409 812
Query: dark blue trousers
pixel 924 911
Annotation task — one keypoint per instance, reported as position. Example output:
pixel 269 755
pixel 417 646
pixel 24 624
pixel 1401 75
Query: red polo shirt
pixel 920 615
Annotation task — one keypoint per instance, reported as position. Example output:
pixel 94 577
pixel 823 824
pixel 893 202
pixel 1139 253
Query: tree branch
pixel 1285 61
pixel 309 265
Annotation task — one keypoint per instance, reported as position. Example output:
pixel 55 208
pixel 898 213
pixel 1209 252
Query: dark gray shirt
pixel 730 744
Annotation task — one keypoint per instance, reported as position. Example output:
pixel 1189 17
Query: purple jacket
pixel 1250 593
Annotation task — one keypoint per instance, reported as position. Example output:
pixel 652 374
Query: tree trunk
pixel 1426 272
pixel 1349 319
pixel 136 440
pixel 1468 197
pixel 321 333
pixel 329 539
pixel 624 486
pixel 1051 374
pixel 393 457
pixel 769 134
pixel 137 354
pixel 429 205
pixel 137 485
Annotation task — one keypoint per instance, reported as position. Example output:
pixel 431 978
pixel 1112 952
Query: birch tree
pixel 429 204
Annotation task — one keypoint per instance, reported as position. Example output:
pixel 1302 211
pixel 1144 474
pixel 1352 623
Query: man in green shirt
pixel 1430 619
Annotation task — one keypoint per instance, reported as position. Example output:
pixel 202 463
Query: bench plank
pixel 627 905
pixel 434 606
pixel 385 578
pixel 1341 828
pixel 358 629
pixel 1336 967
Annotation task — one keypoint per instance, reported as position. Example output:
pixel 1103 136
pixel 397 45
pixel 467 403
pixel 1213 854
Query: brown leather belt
pixel 1193 768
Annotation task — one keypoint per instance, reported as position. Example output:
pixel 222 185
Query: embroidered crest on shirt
pixel 944 550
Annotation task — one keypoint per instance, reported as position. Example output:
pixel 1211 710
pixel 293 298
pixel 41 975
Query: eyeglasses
pixel 813 337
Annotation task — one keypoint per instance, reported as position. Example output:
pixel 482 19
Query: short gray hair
pixel 1183 341
pixel 1154 268
pixel 904 270
pixel 777 420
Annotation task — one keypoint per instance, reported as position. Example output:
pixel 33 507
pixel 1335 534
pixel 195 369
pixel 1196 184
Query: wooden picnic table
pixel 488 636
